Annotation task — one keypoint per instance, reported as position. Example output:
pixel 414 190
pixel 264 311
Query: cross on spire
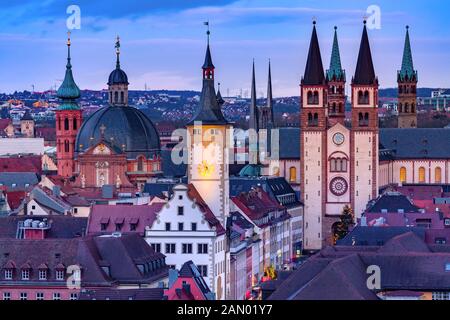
pixel 117 46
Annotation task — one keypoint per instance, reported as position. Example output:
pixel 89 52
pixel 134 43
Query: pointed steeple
pixel 209 111
pixel 269 95
pixel 68 92
pixel 253 122
pixel 314 74
pixel 407 70
pixel 335 71
pixel 364 73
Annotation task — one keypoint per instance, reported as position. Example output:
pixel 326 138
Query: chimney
pixel 187 288
pixel 56 191
pixel 173 276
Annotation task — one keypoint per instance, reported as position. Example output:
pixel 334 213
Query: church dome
pixel 125 128
pixel 117 76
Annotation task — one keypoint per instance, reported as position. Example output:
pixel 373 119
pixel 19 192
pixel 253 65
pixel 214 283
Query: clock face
pixel 338 138
pixel 338 186
pixel 205 169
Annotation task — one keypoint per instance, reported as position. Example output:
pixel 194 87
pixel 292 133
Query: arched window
pixel 316 119
pixel 366 119
pixel 316 97
pixel 366 97
pixel 116 97
pixel 310 119
pixel 75 124
pixel 310 97
pixel 413 108
pixel 66 146
pixel 406 107
pixel 333 108
pixel 338 165
pixel 360 97
pixel 140 164
pixel 292 174
pixel 340 108
pixel 437 175
pixel 400 90
pixel 421 175
pixel 402 174
pixel 66 124
pixel 400 108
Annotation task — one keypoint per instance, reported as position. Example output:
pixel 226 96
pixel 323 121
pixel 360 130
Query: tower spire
pixel 364 73
pixel 269 94
pixel 314 74
pixel 407 69
pixel 68 92
pixel 209 111
pixel 253 107
pixel 335 71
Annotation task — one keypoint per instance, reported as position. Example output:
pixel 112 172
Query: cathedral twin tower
pixel 339 162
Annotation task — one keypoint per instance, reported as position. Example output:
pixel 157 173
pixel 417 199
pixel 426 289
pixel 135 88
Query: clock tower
pixel 207 141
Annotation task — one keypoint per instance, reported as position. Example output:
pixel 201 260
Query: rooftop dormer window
pixel 26 274
pixel 8 274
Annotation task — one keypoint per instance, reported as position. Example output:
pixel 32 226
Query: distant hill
pixel 392 92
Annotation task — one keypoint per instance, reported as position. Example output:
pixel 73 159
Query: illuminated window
pixel 437 175
pixel 421 174
pixel 292 174
pixel 402 174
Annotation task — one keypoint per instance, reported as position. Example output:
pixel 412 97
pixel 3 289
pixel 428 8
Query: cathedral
pixel 348 162
pixel 117 145
pixel 336 158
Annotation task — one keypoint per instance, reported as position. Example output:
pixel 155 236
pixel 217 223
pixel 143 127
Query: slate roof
pixel 120 254
pixel 277 188
pixel 289 143
pixel 127 129
pixel 392 202
pixel 376 236
pixel 364 72
pixel 62 227
pixel 18 180
pixel 337 273
pixel 314 74
pixel 417 143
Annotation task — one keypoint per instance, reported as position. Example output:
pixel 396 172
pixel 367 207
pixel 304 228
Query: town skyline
pixel 161 43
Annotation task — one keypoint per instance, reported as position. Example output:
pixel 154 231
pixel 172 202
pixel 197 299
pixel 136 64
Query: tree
pixel 341 228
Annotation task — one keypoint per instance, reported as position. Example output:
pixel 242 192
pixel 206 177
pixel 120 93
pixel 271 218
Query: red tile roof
pixel 122 214
pixel 15 198
pixel 21 164
pixel 209 215
pixel 4 123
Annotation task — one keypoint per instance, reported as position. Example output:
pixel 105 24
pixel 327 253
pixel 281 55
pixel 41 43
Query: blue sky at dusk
pixel 163 42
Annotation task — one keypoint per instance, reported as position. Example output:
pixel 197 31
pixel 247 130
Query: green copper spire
pixel 335 71
pixel 68 92
pixel 407 61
